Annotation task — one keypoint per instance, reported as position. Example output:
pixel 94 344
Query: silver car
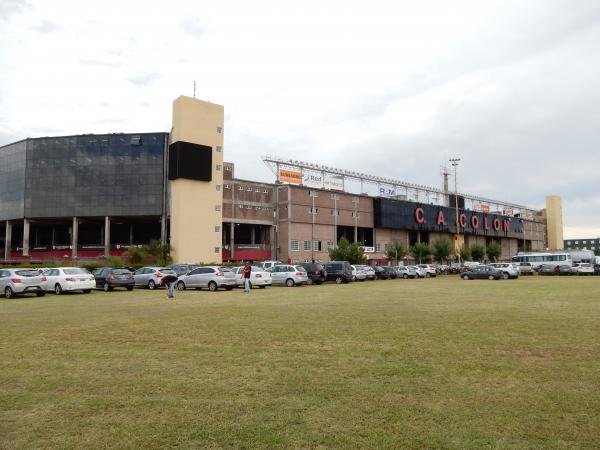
pixel 211 277
pixel 151 277
pixel 406 272
pixel 21 281
pixel 358 273
pixel 507 269
pixel 289 275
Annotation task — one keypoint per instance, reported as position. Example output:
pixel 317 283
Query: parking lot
pixel 398 363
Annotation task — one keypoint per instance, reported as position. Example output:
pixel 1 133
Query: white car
pixel 406 272
pixel 21 281
pixel 429 270
pixel 421 273
pixel 358 273
pixel 258 277
pixel 508 270
pixel 368 271
pixel 289 275
pixel 68 279
pixel 583 269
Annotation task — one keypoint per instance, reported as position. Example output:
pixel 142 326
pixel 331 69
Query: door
pixel 193 278
pixel 4 277
pixel 52 277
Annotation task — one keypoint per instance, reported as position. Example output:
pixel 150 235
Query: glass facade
pixel 12 180
pixel 88 175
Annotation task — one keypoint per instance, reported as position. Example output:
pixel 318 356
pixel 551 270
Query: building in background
pixel 582 244
pixel 554 222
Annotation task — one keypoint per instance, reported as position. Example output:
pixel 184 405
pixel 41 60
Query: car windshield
pixel 121 272
pixel 166 271
pixel 75 271
pixel 28 273
pixel 300 269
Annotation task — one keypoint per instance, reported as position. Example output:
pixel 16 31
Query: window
pixel 330 245
pixel 219 130
pixel 217 229
pixel 295 245
pixel 313 194
pixel 387 247
pixel 377 247
pixel 219 149
pixel 249 188
pixel 354 199
pixel 240 188
pixel 228 168
pixel 257 190
pixel 335 212
pixel 335 196
pixel 576 242
pixel 218 167
pixel 317 246
pixel 217 249
pixel 248 206
pixel 217 208
pixel 313 210
pixel 227 186
pixel 241 206
pixel 355 215
pixel 306 246
pixel 265 191
pixel 218 187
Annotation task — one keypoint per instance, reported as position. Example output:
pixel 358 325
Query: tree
pixel 477 252
pixel 464 253
pixel 136 255
pixel 441 249
pixel 421 251
pixel 345 251
pixel 493 250
pixel 396 251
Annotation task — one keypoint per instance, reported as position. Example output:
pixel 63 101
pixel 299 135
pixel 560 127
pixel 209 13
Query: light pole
pixel 313 194
pixel 455 162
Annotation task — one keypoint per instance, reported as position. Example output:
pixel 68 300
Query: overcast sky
pixel 389 88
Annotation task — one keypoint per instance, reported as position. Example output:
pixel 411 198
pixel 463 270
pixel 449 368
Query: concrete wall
pixel 554 222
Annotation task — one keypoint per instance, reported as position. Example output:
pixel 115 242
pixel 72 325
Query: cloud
pixel 192 26
pixel 11 7
pixel 46 27
pixel 144 79
pixel 95 62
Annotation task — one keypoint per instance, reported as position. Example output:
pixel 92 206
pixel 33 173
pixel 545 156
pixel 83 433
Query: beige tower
pixel 196 174
pixel 554 222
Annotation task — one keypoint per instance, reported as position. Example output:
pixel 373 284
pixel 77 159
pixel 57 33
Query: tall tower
pixel 196 174
pixel 554 222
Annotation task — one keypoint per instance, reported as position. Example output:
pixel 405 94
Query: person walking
pixel 246 275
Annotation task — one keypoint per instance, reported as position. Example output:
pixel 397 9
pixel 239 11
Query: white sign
pixel 387 191
pixel 369 249
pixel 314 180
pixel 335 182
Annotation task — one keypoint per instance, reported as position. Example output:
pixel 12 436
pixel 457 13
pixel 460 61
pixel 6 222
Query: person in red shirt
pixel 246 275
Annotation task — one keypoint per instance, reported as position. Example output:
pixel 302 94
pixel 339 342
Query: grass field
pixel 433 363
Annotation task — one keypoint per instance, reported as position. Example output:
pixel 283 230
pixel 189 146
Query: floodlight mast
pixel 455 162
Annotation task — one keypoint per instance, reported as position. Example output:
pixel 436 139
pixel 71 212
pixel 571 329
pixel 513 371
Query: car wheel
pixel 338 280
pixel 465 277
pixel 40 294
pixel 505 276
pixel 212 286
pixel 427 275
pixel 151 285
pixel 310 281
pixel 87 291
pixel 289 282
pixel 262 287
pixel 130 288
pixel 229 288
pixel 181 286
pixel 106 287
pixel 491 277
pixel 57 289
pixel 8 292
pixel 405 276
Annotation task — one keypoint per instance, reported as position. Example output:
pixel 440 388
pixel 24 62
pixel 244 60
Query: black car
pixel 596 269
pixel 385 273
pixel 482 273
pixel 316 272
pixel 108 278
pixel 338 271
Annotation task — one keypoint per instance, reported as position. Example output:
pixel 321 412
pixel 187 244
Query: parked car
pixel 525 268
pixel 338 271
pixel 406 272
pixel 108 278
pixel 596 269
pixel 289 275
pixel 369 271
pixel 507 269
pixel 268 264
pixel 358 274
pixel 258 277
pixel 21 281
pixel 430 271
pixel 69 279
pixel 316 272
pixel 551 269
pixel 421 273
pixel 385 273
pixel 151 277
pixel 210 277
pixel 482 272
pixel 182 269
pixel 583 269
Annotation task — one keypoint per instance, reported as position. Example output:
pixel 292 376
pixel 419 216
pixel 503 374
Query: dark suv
pixel 316 272
pixel 108 278
pixel 338 271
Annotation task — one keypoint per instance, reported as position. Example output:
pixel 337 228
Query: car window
pixel 121 272
pixel 4 273
pixel 75 271
pixel 300 269
pixel 27 273
pixel 195 272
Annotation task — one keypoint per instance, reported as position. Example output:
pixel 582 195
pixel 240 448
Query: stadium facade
pixel 91 196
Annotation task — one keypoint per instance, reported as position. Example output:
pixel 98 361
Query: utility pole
pixel 313 194
pixel 455 162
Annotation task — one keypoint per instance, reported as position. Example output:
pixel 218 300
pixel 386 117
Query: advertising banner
pixel 290 176
pixel 335 182
pixel 314 180
pixel 484 208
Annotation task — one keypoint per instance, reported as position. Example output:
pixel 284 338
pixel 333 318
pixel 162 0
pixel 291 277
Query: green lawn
pixel 433 363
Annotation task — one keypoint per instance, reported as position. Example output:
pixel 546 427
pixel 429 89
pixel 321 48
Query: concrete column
pixel 253 235
pixel 130 234
pixel 106 237
pixel 25 237
pixel 231 240
pixel 273 242
pixel 7 241
pixel 53 237
pixel 74 237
